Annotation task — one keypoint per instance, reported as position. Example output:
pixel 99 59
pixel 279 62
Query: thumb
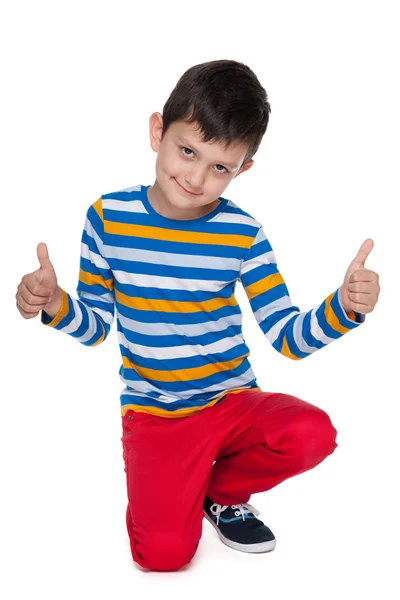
pixel 363 253
pixel 43 256
pixel 359 261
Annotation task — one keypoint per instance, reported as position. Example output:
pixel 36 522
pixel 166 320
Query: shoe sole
pixel 260 547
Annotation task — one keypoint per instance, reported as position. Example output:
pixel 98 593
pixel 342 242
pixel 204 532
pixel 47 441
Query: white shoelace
pixel 243 509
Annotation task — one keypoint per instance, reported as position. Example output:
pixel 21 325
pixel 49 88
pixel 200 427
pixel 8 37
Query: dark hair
pixel 227 101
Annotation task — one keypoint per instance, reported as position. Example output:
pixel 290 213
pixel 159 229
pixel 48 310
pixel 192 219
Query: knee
pixel 315 433
pixel 166 551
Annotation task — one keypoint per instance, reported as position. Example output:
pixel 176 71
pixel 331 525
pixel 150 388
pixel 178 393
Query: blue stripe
pixel 95 221
pixel 191 384
pixel 133 218
pixel 172 407
pixel 339 313
pixel 92 289
pixel 189 362
pixel 259 273
pixel 89 241
pixel 308 337
pixel 163 293
pixel 322 322
pixel 148 316
pixel 136 242
pixel 174 340
pixel 293 347
pixel 275 293
pixel 90 267
pixel 257 250
pixel 68 317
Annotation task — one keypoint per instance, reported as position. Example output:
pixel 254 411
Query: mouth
pixel 185 190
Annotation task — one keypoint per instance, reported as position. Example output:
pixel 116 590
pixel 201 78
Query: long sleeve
pixel 88 318
pixel 293 333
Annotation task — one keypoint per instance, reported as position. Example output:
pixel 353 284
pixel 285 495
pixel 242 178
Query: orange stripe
pixel 331 317
pixel 63 310
pixel 286 350
pixel 98 207
pixel 173 305
pixel 265 284
pixel 171 235
pixel 90 279
pixel 183 412
pixel 102 336
pixel 184 374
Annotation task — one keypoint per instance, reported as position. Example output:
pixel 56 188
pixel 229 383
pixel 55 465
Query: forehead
pixel 216 151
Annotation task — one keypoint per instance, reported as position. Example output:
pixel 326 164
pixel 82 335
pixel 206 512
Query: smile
pixel 187 191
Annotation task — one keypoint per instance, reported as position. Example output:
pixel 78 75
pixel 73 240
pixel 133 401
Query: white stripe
pixel 272 307
pixel 235 218
pixel 143 387
pixel 171 283
pixel 298 338
pixel 108 297
pixel 274 332
pixel 130 206
pixel 96 259
pixel 316 329
pixel 92 324
pixel 105 315
pixel 76 321
pixel 92 233
pixel 241 216
pixel 184 330
pixel 181 351
pixel 264 259
pixel 171 259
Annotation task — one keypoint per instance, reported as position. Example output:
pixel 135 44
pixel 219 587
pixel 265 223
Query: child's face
pixel 184 161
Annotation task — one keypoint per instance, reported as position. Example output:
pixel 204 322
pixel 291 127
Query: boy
pixel 167 258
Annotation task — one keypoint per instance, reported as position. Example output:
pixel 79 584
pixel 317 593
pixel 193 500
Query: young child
pixel 199 435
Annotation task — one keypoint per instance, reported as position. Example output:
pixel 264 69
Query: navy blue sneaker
pixel 238 526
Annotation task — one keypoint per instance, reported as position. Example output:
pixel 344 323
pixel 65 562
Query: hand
pixel 37 289
pixel 360 289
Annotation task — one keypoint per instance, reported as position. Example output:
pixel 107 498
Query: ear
pixel 245 167
pixel 155 130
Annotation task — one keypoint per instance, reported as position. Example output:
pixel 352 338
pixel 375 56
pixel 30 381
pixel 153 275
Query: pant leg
pixel 168 465
pixel 268 437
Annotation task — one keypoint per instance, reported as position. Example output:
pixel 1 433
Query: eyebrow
pixel 232 166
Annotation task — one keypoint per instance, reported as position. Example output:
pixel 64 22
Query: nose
pixel 195 180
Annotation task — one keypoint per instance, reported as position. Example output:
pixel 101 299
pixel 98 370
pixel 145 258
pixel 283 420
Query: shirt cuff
pixel 64 308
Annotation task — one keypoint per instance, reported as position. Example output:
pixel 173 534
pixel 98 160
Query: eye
pixel 226 170
pixel 184 148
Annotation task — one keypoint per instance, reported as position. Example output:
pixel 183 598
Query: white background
pixel 79 83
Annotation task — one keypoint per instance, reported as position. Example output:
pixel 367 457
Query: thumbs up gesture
pixel 360 289
pixel 39 289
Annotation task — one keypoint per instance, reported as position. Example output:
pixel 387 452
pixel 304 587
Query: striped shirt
pixel 171 284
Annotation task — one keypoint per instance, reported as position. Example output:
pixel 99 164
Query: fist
pixel 36 289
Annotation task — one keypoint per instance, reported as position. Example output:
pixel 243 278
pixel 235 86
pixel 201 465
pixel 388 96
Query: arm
pixel 88 318
pixel 293 333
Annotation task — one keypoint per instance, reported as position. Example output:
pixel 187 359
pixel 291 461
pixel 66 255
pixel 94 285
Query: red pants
pixel 257 440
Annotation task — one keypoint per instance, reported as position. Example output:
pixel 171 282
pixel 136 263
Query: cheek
pixel 169 164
